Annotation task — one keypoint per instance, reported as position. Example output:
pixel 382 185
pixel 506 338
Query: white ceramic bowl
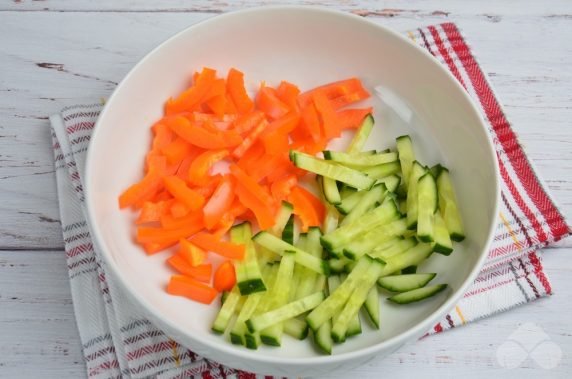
pixel 307 46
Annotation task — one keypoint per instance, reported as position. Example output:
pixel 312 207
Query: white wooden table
pixel 55 53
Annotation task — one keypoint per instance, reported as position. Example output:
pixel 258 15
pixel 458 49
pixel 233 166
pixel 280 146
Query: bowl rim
pixel 204 346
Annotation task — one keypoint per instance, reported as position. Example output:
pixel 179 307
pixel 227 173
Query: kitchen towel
pixel 119 342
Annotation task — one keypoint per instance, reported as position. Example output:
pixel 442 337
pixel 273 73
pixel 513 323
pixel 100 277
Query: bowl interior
pixel 307 47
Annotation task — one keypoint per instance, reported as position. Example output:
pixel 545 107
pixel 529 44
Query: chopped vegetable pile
pixel 223 166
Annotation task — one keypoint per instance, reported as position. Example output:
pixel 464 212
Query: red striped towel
pixel 119 342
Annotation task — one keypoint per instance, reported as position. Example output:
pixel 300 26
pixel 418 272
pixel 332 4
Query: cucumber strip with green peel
pixel 354 327
pixel 337 265
pixel 323 337
pixel 337 299
pixel 410 257
pixel 443 243
pixel 223 297
pixel 228 309
pixel 331 192
pixel 248 275
pixel 403 206
pixel 382 170
pixel 406 157
pixel 359 161
pixel 285 312
pixel 378 216
pixel 346 191
pixel 426 207
pixel 404 283
pixel 387 251
pixel 448 206
pixel 331 170
pixel 356 300
pixel 278 295
pixel 307 278
pixel 282 219
pixel 251 304
pixel 334 282
pixel 349 202
pixel 371 306
pixel 436 170
pixel 301 257
pixel 361 135
pixel 296 328
pixel 417 171
pixel 391 182
pixel 375 237
pixel 417 295
pixel 288 231
pixel 320 283
pixel 332 218
pixel 367 202
pixel 409 270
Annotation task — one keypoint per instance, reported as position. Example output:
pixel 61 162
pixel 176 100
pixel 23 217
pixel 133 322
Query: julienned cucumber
pixel 301 257
pixel 351 177
pixel 357 143
pixel 406 157
pixel 448 206
pixel 417 294
pixel 417 171
pixel 403 283
pixel 359 161
pixel 427 205
pixel 380 215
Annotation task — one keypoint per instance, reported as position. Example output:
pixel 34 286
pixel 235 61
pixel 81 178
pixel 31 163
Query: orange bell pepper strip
pixel 162 136
pixel 251 185
pixel 250 139
pixel 263 213
pixel 229 107
pixel 219 203
pixel 193 254
pixel 200 137
pixel 252 155
pixel 217 104
pixel 330 125
pixel 179 209
pixel 181 285
pixel 332 90
pixel 176 150
pixel 224 277
pixel 248 121
pixel 163 236
pixel 170 222
pixel 152 212
pixel 199 170
pixel 217 88
pixel 224 224
pixel 311 122
pixel 284 124
pixel 180 191
pixel 281 188
pixel 183 169
pixel 307 206
pixel 288 94
pixel 153 247
pixel 201 272
pixel 267 166
pixel 191 98
pixel 212 243
pixel 352 118
pixel 237 91
pixel 269 103
pixel 141 191
pixel 350 98
pixel 276 143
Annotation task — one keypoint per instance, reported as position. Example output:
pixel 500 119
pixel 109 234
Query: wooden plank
pixel 369 7
pixel 39 78
pixel 40 339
